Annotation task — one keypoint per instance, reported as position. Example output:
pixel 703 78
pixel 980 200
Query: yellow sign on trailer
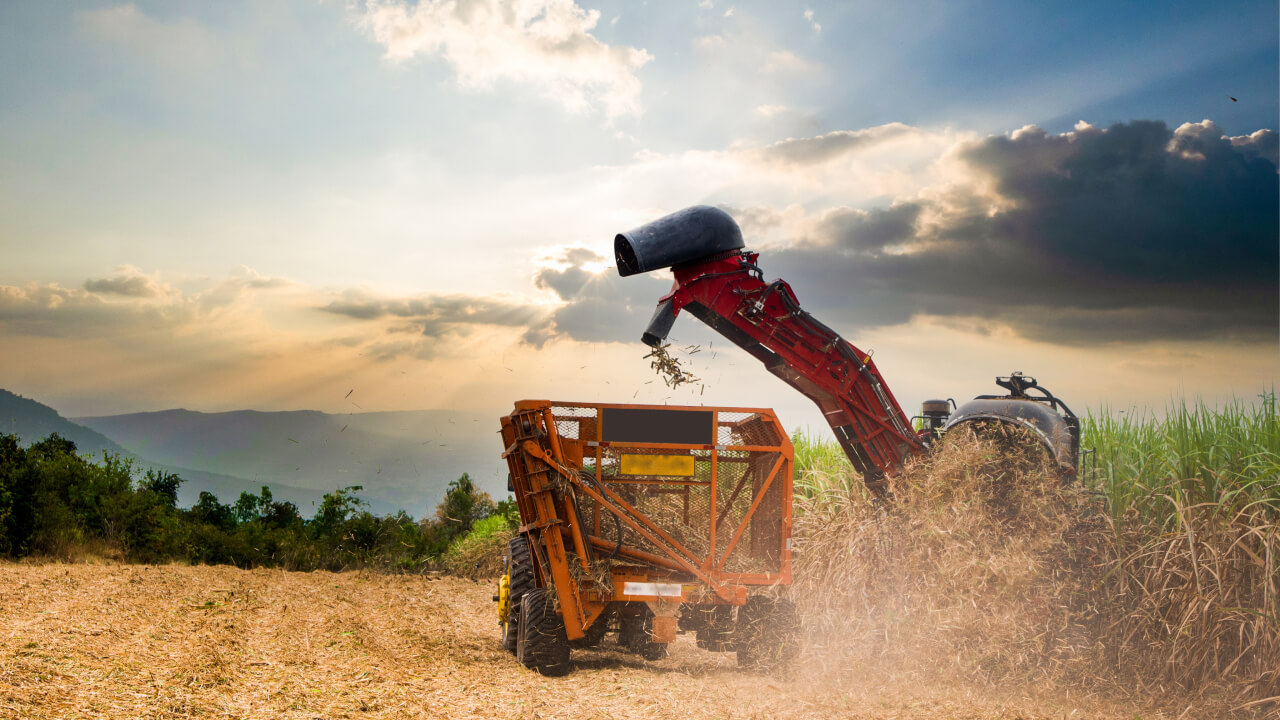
pixel 665 465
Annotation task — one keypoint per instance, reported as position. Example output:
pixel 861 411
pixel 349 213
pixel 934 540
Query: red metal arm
pixel 765 319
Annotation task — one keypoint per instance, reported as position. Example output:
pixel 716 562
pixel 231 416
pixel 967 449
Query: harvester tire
pixel 768 634
pixel 520 569
pixel 542 645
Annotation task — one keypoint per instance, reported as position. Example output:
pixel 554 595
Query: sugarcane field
pixel 685 359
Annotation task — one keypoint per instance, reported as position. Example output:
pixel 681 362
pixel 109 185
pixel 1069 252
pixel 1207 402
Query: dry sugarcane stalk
pixel 669 367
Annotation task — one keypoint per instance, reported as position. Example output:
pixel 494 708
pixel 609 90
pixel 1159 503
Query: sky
pixel 385 205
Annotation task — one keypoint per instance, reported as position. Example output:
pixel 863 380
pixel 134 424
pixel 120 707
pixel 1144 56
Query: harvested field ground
pixel 128 641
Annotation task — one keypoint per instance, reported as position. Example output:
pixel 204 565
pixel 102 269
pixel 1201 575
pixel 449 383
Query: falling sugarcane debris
pixel 669 367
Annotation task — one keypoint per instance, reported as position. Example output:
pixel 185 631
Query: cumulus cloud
pixel 1261 143
pixel 869 230
pixel 823 148
pixel 1132 233
pixel 543 43
pixel 1136 232
pixel 123 306
pixel 128 282
pixel 254 280
pixel 50 310
pixel 433 317
pixel 785 61
pixel 708 43
pixel 597 306
pixel 808 16
pixel 592 304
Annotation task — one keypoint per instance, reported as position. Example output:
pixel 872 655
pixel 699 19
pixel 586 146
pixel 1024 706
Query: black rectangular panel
pixel 693 427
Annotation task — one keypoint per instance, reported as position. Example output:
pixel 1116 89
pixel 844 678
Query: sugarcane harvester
pixel 649 520
pixel 719 282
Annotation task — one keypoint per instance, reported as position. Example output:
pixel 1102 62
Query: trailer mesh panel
pixel 749 470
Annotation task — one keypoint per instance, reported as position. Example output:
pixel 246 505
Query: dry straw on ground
pixel 982 591
pixel 113 641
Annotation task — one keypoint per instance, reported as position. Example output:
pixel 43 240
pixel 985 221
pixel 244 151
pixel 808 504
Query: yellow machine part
pixel 504 598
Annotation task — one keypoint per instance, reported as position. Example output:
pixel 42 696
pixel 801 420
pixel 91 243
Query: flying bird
pixel 1233 99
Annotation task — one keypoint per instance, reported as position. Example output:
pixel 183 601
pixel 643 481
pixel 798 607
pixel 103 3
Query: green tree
pixel 209 511
pixel 17 494
pixel 164 484
pixel 280 514
pixel 509 510
pixel 335 508
pixel 463 504
pixel 250 507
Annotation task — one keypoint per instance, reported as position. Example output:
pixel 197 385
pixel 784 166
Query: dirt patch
pixel 119 641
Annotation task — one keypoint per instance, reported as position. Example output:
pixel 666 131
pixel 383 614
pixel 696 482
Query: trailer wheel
pixel 595 633
pixel 716 628
pixel 542 645
pixel 636 635
pixel 520 570
pixel 768 634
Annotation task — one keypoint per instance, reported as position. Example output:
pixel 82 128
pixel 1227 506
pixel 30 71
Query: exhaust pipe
pixel 685 236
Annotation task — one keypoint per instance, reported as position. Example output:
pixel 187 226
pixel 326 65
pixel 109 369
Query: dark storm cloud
pixel 1132 233
pixel 814 150
pixel 863 230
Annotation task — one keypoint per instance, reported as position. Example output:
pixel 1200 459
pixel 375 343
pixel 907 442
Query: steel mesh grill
pixel 741 482
pixel 576 423
pixel 681 506
pixel 746 429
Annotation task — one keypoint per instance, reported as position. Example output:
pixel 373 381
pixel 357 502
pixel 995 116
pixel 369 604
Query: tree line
pixel 56 503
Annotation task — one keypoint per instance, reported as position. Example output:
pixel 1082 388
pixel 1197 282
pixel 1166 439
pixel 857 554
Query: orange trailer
pixel 645 521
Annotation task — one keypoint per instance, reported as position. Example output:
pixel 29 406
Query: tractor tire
pixel 768 634
pixel 520 569
pixel 542 644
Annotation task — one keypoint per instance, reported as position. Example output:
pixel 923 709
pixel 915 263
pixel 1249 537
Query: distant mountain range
pixel 404 460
